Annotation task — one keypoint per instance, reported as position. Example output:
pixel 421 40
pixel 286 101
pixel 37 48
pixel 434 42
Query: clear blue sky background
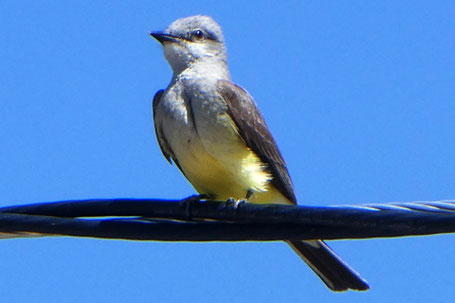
pixel 360 96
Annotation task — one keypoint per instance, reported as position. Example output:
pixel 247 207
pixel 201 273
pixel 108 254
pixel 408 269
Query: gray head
pixel 190 40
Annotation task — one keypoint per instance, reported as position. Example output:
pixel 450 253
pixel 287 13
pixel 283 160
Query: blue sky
pixel 360 96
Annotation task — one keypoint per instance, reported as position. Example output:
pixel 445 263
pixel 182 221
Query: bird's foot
pixel 234 203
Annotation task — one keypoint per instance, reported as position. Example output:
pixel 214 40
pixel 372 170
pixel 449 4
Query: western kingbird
pixel 213 131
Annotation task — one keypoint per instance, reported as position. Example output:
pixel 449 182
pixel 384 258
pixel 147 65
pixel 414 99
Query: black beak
pixel 163 37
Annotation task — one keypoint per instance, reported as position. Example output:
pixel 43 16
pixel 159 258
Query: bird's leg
pixel 249 193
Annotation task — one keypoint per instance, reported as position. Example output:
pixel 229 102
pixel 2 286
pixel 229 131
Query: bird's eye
pixel 198 34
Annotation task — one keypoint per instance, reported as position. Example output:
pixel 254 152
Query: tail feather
pixel 333 271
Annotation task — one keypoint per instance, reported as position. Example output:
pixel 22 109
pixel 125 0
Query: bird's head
pixel 192 40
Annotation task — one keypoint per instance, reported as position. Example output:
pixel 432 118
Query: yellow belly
pixel 230 175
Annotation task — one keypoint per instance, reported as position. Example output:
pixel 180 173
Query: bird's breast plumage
pixel 206 144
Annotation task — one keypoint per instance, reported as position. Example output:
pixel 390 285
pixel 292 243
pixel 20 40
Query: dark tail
pixel 333 271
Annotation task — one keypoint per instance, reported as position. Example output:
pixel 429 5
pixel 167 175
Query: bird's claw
pixel 234 203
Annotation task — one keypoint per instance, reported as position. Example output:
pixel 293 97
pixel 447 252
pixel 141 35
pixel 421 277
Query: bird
pixel 214 132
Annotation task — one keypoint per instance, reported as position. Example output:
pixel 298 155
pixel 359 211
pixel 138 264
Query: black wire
pixel 151 219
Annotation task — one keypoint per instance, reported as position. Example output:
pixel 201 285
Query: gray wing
pixel 252 128
pixel 164 146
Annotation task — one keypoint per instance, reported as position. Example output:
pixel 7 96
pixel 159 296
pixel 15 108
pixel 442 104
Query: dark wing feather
pixel 242 109
pixel 251 126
